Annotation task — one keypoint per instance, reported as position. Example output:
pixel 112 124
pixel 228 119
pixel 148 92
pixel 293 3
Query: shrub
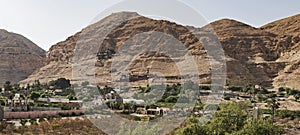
pixel 281 89
pixel 3 125
pixel 235 88
pixel 65 107
pixel 171 99
pixel 55 126
pixel 61 83
pixel 23 122
pixel 264 91
pixel 204 87
pixel 226 98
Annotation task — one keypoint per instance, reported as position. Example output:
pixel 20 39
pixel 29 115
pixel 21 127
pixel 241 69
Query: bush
pixel 204 87
pixel 235 88
pixel 34 95
pixel 23 122
pixel 281 89
pixel 264 91
pixel 259 127
pixel 32 121
pixel 61 83
pixel 272 95
pixel 73 114
pixel 297 96
pixel 288 114
pixel 55 126
pixel 3 125
pixel 66 107
pixel 191 127
pixel 41 120
pixel 261 98
pixel 171 99
pixel 290 92
pixel 226 98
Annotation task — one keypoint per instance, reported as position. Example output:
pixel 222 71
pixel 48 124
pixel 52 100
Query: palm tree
pixel 273 104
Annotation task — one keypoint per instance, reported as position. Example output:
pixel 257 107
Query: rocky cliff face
pixel 250 51
pixel 113 35
pixel 263 55
pixel 19 57
pixel 287 44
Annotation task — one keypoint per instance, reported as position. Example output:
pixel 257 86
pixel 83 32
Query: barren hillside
pixel 263 55
pixel 19 57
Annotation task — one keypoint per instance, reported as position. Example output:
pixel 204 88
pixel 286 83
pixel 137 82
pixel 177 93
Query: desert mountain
pixel 19 57
pixel 288 44
pixel 286 26
pixel 250 57
pixel 125 26
pixel 263 55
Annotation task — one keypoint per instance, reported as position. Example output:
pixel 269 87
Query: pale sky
pixel 46 22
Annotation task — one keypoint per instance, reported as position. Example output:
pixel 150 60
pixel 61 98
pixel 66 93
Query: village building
pixel 158 111
pixel 254 112
pixel 54 100
pixel 136 101
pixel 17 103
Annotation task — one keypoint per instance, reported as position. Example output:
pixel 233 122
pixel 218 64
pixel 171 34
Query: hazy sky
pixel 47 22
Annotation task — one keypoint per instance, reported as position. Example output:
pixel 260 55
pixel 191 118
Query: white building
pixel 133 101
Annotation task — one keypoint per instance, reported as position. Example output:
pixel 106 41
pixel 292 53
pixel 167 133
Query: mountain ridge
pixel 285 26
pixel 254 55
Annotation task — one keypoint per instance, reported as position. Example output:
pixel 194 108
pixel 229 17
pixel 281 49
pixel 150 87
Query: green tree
pixel 71 97
pixel 229 119
pixel 7 86
pixel 273 104
pixel 171 99
pixel 235 88
pixel 33 121
pixel 261 97
pixel 61 83
pixel 297 96
pixel 281 89
pixel 259 127
pixel 23 122
pixel 34 95
pixel 191 127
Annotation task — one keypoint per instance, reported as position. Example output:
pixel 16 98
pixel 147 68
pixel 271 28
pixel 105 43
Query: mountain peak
pixel 118 16
pixel 227 23
pixel 10 39
pixel 19 57
pixel 230 27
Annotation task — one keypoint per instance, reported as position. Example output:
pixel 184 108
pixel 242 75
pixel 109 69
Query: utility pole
pixel 26 99
pixel 1 113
